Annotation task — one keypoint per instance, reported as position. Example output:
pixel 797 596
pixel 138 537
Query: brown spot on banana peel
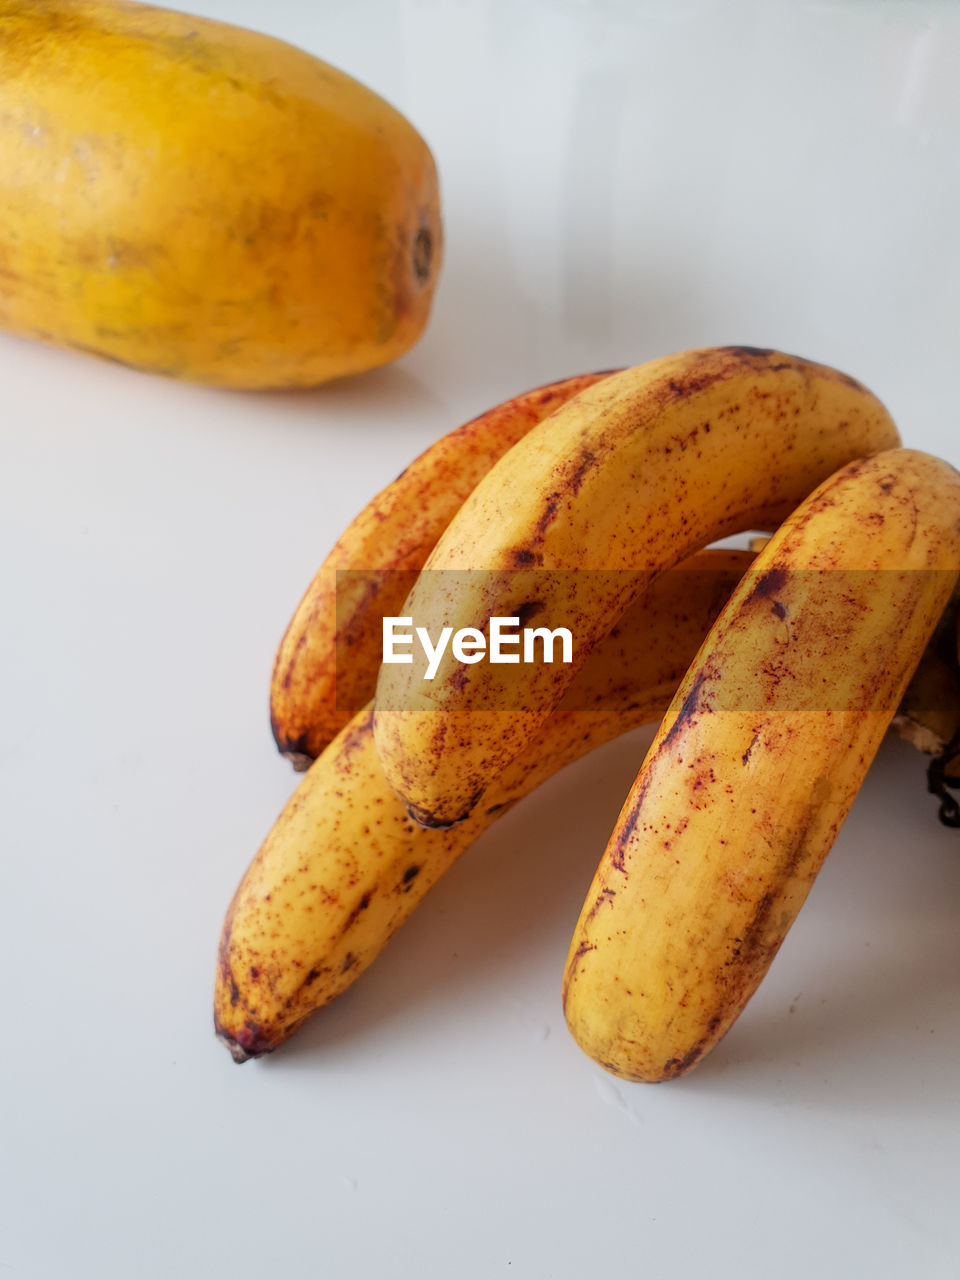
pixel 689 709
pixel 675 1067
pixel 768 584
pixel 355 913
pixel 528 610
pixel 355 736
pixel 523 558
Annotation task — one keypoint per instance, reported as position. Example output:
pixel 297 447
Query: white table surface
pixel 621 180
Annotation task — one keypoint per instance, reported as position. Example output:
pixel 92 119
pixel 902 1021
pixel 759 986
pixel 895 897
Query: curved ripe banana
pixel 757 762
pixel 625 480
pixel 344 866
pixel 326 666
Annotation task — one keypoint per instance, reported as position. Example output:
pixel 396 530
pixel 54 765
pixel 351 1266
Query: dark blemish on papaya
pixel 349 960
pixel 423 254
pixel 753 742
pixel 234 990
pixel 312 976
pixel 754 353
pixel 254 973
pixel 112 359
pixel 779 608
pixel 410 874
pixel 495 808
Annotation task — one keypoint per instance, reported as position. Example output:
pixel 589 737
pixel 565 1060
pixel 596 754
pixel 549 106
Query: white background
pixel 621 179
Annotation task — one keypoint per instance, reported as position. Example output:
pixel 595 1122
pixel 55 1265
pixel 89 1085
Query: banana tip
pixel 236 1050
pixel 433 821
pixel 424 818
pixel 250 1044
pixel 299 759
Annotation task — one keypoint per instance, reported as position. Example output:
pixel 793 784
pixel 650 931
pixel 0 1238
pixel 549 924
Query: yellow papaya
pixel 199 200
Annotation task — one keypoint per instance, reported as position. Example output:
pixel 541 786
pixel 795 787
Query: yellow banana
pixel 344 866
pixel 757 762
pixel 624 480
pixel 326 666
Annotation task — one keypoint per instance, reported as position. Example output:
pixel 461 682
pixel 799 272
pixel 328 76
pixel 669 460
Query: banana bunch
pixel 590 505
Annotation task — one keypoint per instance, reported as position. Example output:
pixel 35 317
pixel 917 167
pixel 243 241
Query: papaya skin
pixel 202 201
